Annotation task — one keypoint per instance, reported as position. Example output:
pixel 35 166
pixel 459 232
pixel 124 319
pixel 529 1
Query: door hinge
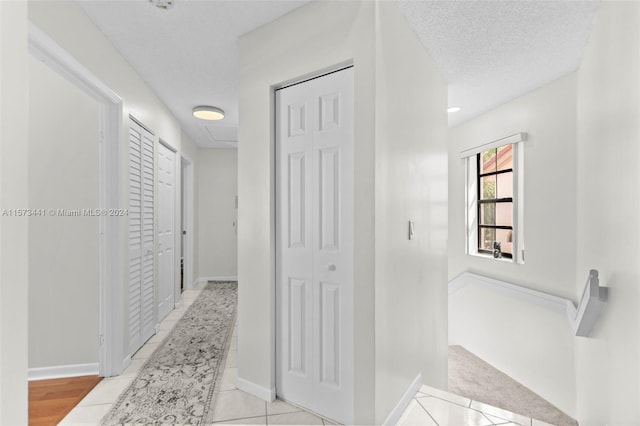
pixel 101 339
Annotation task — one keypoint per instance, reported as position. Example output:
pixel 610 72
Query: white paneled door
pixel 141 322
pixel 314 221
pixel 166 230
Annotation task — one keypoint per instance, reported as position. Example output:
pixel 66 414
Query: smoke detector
pixel 162 4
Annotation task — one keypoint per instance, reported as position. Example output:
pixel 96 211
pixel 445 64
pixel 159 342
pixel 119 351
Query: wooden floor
pixel 51 400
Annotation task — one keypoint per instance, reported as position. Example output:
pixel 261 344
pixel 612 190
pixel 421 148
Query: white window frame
pixel 471 191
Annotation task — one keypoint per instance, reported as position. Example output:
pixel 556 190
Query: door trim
pixel 188 209
pixel 111 228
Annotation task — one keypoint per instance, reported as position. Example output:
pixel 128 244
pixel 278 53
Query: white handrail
pixel 581 318
pixel 584 317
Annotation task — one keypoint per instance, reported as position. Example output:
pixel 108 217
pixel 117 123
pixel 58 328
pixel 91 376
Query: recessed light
pixel 205 112
pixel 454 109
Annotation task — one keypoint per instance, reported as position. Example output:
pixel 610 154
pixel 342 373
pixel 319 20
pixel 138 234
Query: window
pixel 494 199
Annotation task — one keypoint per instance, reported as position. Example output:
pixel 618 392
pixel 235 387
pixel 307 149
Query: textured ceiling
pixel 493 51
pixel 488 51
pixel 188 53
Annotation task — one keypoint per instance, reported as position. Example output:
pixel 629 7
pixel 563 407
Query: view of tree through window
pixel 495 201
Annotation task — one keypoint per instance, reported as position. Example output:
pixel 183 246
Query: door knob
pixel 331 267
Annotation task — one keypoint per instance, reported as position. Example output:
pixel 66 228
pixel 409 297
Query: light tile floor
pixel 429 407
pixel 434 407
pixel 98 402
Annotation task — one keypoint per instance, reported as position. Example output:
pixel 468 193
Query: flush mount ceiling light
pixel 162 4
pixel 454 109
pixel 205 112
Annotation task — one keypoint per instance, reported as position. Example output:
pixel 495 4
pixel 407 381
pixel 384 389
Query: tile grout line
pixel 427 411
pixel 451 402
pixel 235 419
pixel 529 420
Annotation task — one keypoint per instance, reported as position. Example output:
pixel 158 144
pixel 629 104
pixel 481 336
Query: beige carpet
pixel 473 378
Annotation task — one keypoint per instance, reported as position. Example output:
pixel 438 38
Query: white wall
pixel 399 175
pixel 410 184
pixel 607 97
pixel 530 342
pixel 69 27
pixel 218 187
pixel 307 40
pixel 608 367
pixel 63 251
pixel 548 116
pixel 14 193
pixel 493 325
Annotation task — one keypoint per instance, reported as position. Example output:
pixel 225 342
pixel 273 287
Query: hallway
pixel 430 406
pixel 231 405
pixel 63 277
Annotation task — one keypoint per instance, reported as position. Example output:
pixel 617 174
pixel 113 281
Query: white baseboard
pixel 219 278
pixel 251 388
pixel 404 402
pixel 62 371
pixel 126 362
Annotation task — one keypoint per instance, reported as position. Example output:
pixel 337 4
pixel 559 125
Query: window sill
pixel 490 257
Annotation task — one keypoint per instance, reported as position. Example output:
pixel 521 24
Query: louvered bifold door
pixel 141 234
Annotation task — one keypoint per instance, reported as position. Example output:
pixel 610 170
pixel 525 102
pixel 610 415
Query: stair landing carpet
pixel 177 384
pixel 471 377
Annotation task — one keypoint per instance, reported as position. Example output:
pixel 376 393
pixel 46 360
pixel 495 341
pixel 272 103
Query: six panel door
pixel 166 232
pixel 314 221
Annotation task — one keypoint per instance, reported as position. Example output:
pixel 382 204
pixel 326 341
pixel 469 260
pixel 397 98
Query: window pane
pixel 505 185
pixel 505 237
pixel 487 237
pixel 503 214
pixel 488 161
pixel 488 187
pixel 505 157
pixel 488 213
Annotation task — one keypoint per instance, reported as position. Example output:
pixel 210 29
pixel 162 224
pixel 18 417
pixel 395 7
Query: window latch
pixel 497 249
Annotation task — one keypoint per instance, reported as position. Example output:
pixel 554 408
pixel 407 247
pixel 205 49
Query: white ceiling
pixel 188 54
pixel 493 51
pixel 488 51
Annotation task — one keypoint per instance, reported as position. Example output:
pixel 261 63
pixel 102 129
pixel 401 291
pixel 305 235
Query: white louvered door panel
pixel 141 236
pixel 135 236
pixel 148 246
pixel 314 217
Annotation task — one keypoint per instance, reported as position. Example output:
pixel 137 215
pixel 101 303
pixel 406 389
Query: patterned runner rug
pixel 177 383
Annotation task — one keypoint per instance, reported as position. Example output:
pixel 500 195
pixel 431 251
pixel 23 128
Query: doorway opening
pixel 186 222
pixel 111 236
